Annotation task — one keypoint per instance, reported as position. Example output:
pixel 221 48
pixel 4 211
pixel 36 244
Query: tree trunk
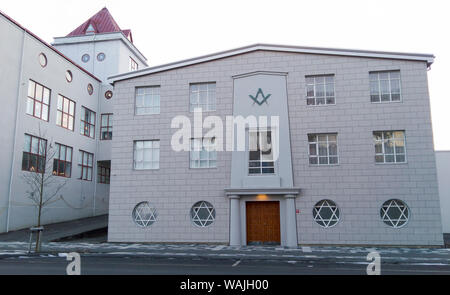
pixel 41 193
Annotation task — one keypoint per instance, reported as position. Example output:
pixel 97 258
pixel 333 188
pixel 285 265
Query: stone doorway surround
pixel 289 222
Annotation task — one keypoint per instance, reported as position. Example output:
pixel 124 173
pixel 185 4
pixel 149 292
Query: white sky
pixel 169 30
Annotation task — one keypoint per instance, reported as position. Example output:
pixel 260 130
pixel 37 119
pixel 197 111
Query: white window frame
pixel 274 151
pixel 155 145
pixel 378 80
pixel 317 155
pixel 207 147
pixel 154 107
pixel 315 84
pixel 393 139
pixel 211 97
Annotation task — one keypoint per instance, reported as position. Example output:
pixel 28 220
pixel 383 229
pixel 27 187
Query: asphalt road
pixel 129 265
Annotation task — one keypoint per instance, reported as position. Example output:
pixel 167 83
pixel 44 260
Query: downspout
pixel 94 171
pixel 15 130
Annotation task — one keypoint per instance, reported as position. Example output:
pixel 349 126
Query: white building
pixel 352 130
pixel 356 160
pixel 59 95
pixel 443 171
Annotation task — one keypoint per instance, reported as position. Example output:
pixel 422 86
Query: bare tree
pixel 43 182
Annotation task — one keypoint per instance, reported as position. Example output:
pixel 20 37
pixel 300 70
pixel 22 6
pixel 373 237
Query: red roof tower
pixel 101 22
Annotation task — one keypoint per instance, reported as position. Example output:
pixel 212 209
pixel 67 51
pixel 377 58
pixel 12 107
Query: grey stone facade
pixel 357 185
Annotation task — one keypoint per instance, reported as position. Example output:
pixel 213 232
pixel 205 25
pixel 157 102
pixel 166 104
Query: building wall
pixel 357 184
pixel 9 77
pixel 111 44
pixel 443 172
pixel 78 196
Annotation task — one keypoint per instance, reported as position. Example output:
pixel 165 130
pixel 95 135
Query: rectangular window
pixel 148 100
pixel 34 154
pixel 323 149
pixel 203 153
pixel 38 100
pixel 104 172
pixel 385 86
pixel 87 127
pixel 62 161
pixel 133 65
pixel 203 95
pixel 261 160
pixel 106 127
pixel 320 90
pixel 65 113
pixel 390 146
pixel 146 154
pixel 86 164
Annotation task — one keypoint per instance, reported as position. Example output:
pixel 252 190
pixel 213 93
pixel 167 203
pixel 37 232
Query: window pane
pixel 66 104
pixel 46 97
pixel 34 145
pixel 330 89
pixel 44 112
pixel 39 90
pixel 60 102
pixel 31 86
pixel 69 155
pixel 37 109
pixel 30 106
pixel 27 143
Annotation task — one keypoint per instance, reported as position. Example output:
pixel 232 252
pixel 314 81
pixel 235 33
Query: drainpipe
pixel 94 172
pixel 15 130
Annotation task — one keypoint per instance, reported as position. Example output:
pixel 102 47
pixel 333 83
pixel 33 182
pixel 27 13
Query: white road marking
pixel 218 248
pixel 307 249
pixel 237 263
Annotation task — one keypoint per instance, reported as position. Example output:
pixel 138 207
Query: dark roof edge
pixel 48 45
pixel 429 58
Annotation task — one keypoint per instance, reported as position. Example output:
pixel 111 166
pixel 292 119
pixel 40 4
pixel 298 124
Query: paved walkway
pixel 57 231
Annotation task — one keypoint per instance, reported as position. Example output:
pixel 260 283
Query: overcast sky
pixel 167 31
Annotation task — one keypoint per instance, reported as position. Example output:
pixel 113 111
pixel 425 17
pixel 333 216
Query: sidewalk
pixel 57 231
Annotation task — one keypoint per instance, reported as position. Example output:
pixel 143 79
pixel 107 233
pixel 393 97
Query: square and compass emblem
pixel 260 98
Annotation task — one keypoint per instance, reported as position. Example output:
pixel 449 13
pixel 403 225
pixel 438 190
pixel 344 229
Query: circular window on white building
pixel 326 213
pixel 69 76
pixel 144 214
pixel 108 94
pixel 395 213
pixel 85 58
pixel 90 89
pixel 43 60
pixel 203 214
pixel 101 56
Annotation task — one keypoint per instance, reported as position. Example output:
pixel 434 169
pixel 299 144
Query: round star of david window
pixel 395 213
pixel 326 213
pixel 144 215
pixel 203 214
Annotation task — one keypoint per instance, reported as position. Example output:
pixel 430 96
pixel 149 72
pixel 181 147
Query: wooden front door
pixel 263 223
